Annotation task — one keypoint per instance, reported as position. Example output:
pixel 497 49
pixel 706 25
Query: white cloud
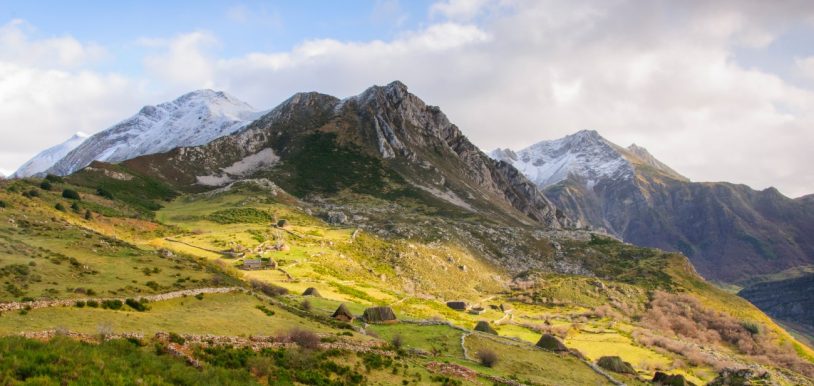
pixel 63 52
pixel 511 72
pixel 184 60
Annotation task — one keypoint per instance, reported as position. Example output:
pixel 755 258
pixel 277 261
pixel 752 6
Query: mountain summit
pixel 48 157
pixel 195 118
pixel 730 232
pixel 384 141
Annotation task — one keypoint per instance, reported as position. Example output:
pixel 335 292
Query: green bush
pixel 31 194
pixel 3 204
pixel 45 185
pixel 113 304
pixel 71 194
pixel 241 215
pixel 92 303
pixel 55 179
pixel 102 192
pixel 79 303
pixel 138 305
pixel 59 207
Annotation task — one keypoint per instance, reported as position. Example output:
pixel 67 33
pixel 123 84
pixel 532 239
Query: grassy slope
pixel 415 277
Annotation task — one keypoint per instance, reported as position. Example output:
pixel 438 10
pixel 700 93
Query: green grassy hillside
pixel 598 296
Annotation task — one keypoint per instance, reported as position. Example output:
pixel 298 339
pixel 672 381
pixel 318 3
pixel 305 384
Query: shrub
pixel 54 179
pixel 177 339
pixel 3 204
pixel 59 207
pixel 31 194
pixel 397 342
pixel 306 305
pixel 113 304
pixel 79 303
pixel 45 185
pixel 752 327
pixel 75 207
pixel 268 289
pixel 92 303
pixel 88 215
pixel 71 194
pixel 102 192
pixel 487 357
pixel 199 296
pixel 139 306
pixel 265 310
pixel 303 338
pixel 282 223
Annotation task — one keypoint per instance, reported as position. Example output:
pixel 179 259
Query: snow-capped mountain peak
pixel 46 158
pixel 584 154
pixel 193 119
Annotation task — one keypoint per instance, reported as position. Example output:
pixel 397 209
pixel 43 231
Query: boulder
pixel 551 343
pixel 337 218
pixel 484 326
pixel 615 364
pixel 739 377
pixel 457 305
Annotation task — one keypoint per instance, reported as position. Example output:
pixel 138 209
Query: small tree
pixel 487 357
pixel 71 194
pixel 88 215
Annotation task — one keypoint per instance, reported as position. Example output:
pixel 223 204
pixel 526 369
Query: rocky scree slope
pixel 730 232
pixel 384 142
pixel 192 119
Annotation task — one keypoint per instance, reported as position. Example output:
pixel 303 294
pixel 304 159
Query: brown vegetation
pixel 684 317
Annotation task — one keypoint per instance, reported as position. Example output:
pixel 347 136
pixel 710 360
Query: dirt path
pixel 13 306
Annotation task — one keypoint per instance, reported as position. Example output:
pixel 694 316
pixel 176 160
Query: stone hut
pixel 457 305
pixel 615 364
pixel 484 326
pixel 551 343
pixel 477 310
pixel 380 315
pixel 343 313
pixel 311 291
pixel 251 264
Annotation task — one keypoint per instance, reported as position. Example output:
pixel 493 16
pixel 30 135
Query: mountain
pixel 48 157
pixel 789 300
pixel 730 232
pixel 384 141
pixel 192 119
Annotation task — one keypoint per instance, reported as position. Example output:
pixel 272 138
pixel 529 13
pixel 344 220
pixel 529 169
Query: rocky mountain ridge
pixel 730 232
pixel 390 140
pixel 195 118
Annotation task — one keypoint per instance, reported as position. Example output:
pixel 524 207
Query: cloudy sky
pixel 719 90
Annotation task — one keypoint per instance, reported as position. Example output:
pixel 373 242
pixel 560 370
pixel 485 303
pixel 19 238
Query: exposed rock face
pixel 790 300
pixel 385 131
pixel 730 232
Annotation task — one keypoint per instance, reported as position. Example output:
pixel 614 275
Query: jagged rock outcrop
pixel 383 141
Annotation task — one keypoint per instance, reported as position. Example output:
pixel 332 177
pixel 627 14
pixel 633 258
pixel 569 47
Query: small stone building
pixel 343 313
pixel 457 305
pixel 252 264
pixel 380 315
